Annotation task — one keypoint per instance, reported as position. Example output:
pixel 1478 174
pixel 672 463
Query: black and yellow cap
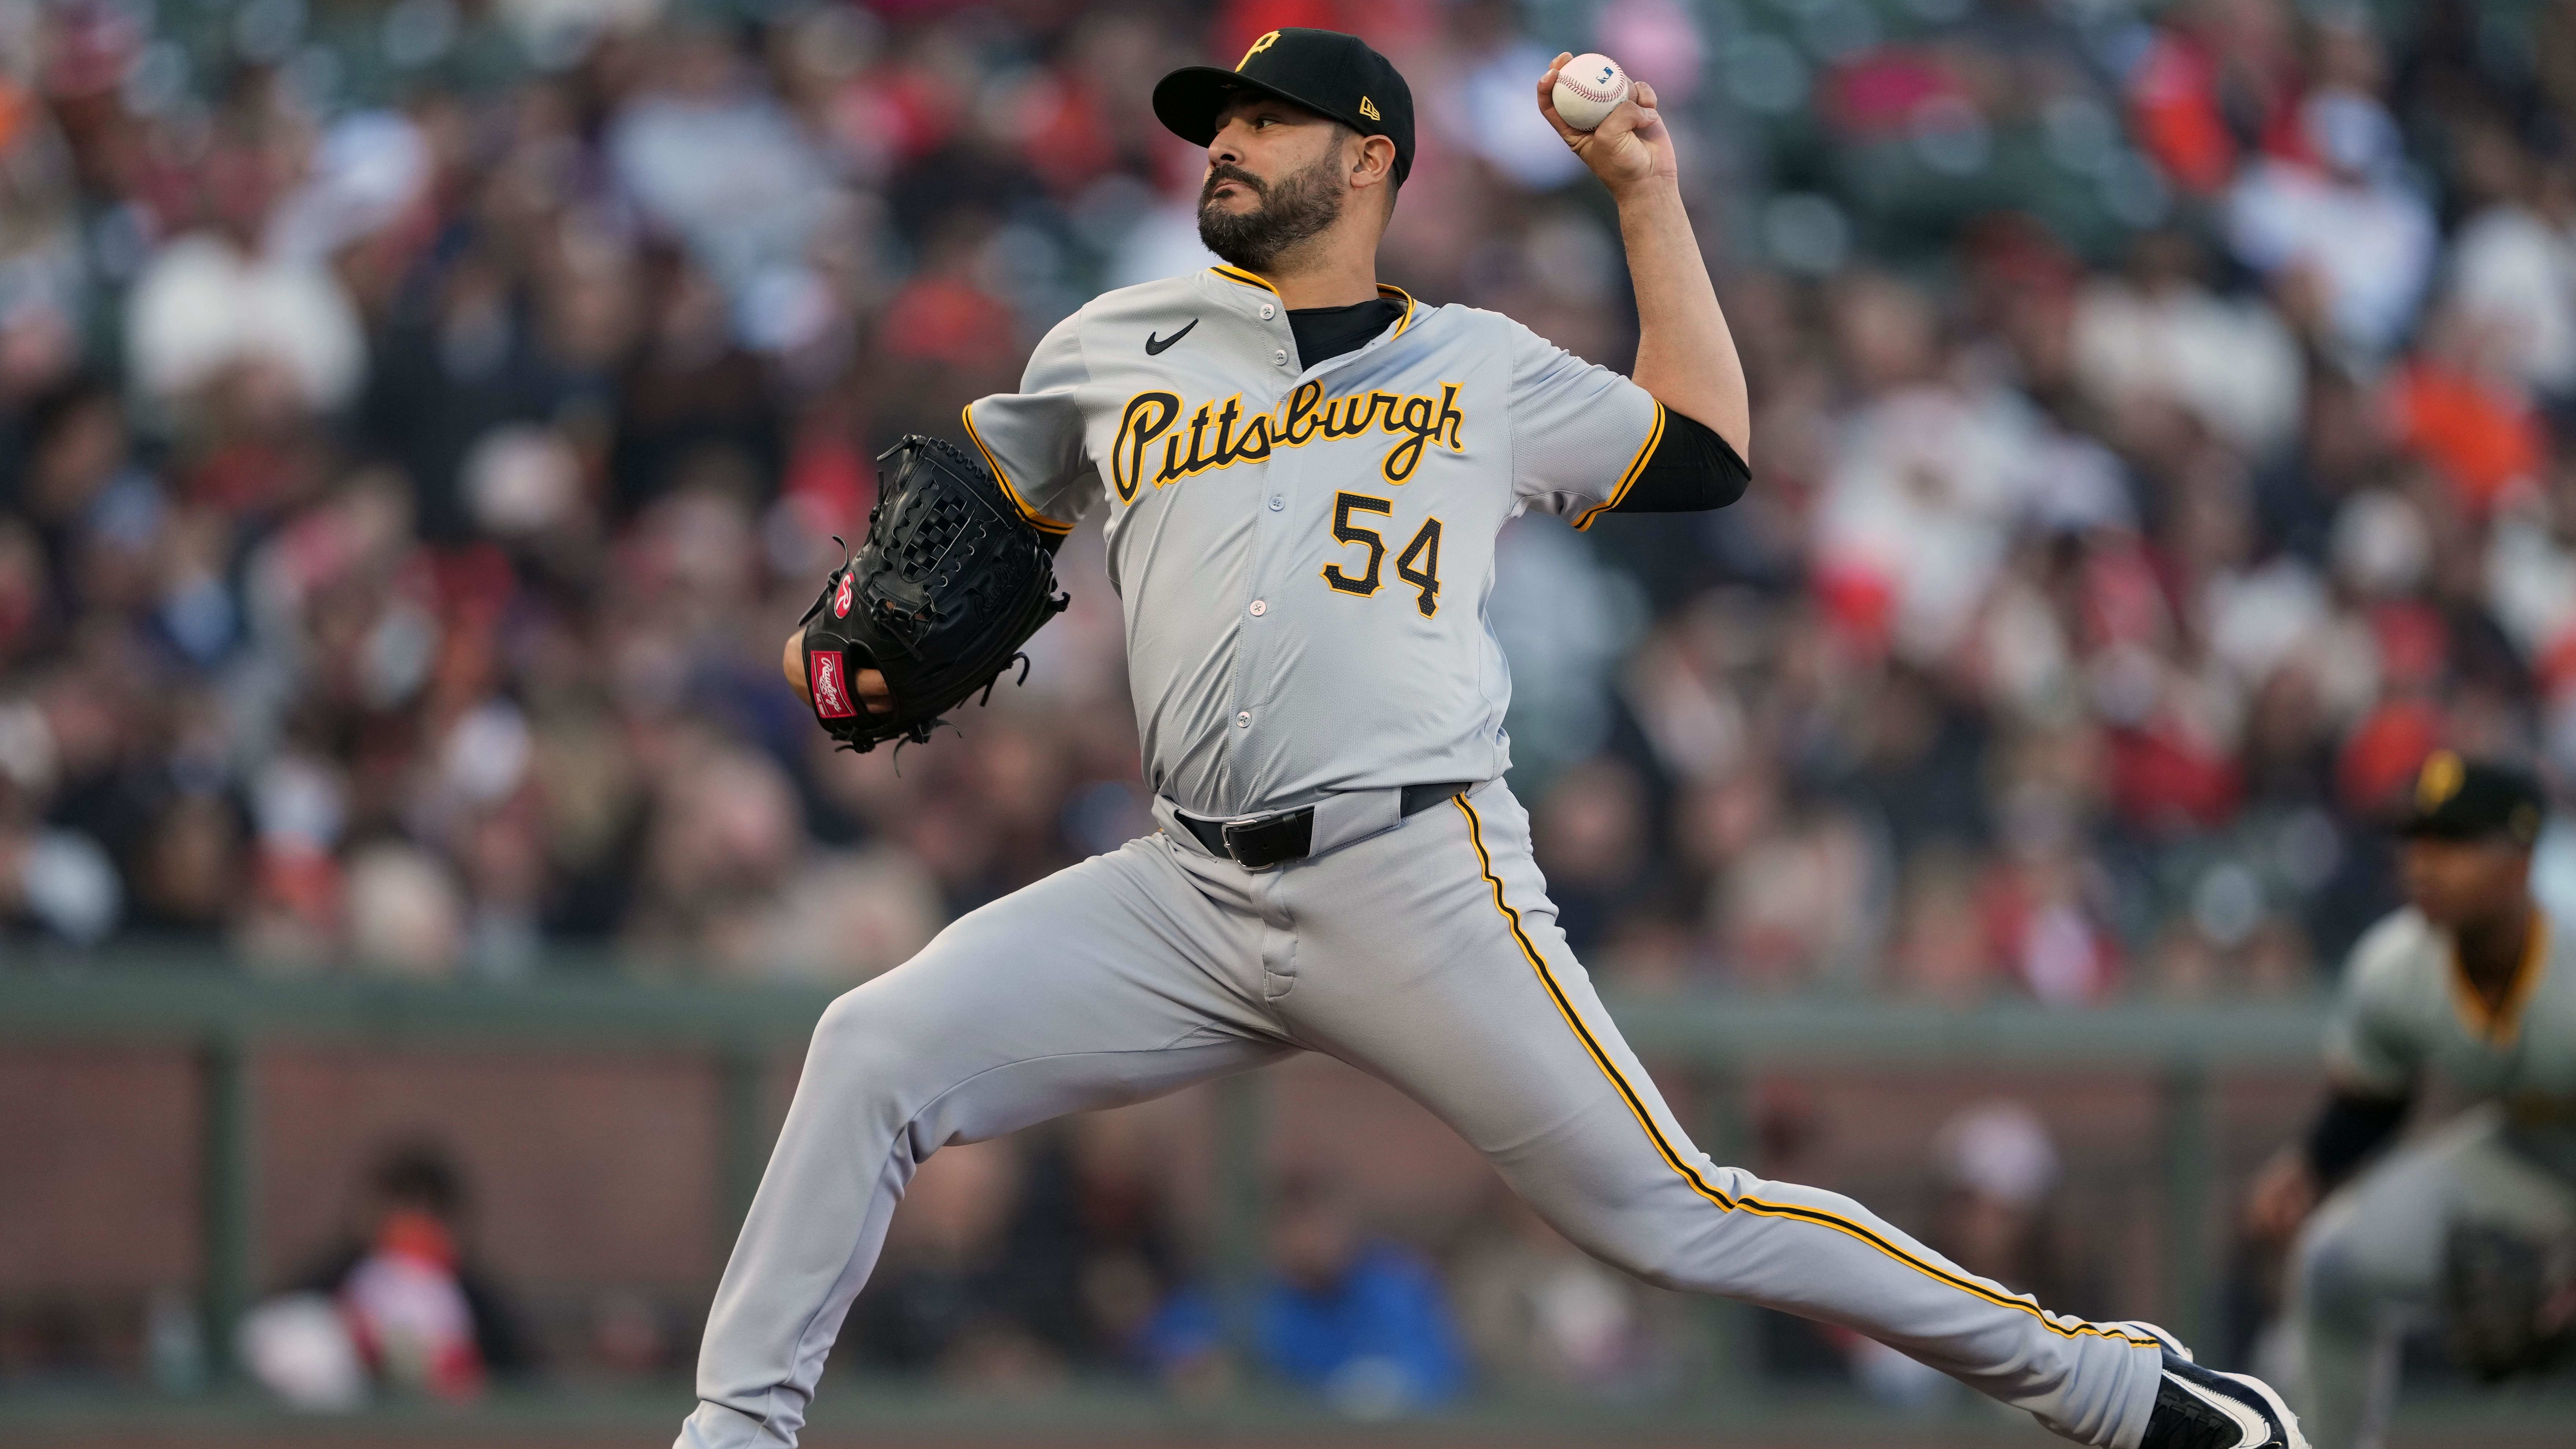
pixel 2457 799
pixel 1325 71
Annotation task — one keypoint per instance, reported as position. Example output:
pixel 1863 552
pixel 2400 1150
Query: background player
pixel 1303 473
pixel 2472 981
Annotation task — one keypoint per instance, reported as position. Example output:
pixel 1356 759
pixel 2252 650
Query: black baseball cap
pixel 1325 71
pixel 2457 799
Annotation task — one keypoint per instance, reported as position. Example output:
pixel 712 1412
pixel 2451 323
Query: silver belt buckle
pixel 1233 831
pixel 1225 832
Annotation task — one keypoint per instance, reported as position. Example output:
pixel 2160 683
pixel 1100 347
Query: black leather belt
pixel 1267 840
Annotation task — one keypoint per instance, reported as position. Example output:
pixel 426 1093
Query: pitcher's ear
pixel 1376 161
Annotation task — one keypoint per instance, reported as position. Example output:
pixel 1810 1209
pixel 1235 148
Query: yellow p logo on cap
pixel 1258 46
pixel 2441 778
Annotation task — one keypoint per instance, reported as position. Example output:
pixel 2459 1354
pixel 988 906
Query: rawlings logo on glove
pixel 831 693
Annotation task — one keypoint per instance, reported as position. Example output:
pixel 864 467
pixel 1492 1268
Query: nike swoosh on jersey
pixel 1154 345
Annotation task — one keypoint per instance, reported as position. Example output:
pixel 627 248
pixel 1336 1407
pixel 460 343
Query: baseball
pixel 1588 89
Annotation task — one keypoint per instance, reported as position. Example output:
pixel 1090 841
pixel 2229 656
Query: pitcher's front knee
pixel 874 1041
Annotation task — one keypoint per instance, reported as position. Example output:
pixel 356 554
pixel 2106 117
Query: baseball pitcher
pixel 1302 473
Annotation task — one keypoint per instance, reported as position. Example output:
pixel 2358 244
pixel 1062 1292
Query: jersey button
pixel 1268 311
pixel 1260 607
pixel 1243 721
pixel 1277 503
pixel 1280 357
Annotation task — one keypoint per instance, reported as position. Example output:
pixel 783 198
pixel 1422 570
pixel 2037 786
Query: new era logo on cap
pixel 1368 108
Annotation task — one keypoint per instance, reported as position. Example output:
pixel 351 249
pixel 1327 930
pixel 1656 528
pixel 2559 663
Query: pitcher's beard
pixel 1293 210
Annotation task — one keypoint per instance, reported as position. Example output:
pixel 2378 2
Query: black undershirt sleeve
pixel 2350 1129
pixel 1691 470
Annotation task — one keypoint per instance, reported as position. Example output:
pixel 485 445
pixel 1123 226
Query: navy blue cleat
pixel 2198 1408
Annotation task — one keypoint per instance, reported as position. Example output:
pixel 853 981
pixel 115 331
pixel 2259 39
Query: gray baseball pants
pixel 1427 955
pixel 2369 1264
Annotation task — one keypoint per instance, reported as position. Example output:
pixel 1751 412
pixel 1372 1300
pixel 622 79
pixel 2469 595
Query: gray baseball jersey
pixel 2369 1262
pixel 2405 1011
pixel 1304 554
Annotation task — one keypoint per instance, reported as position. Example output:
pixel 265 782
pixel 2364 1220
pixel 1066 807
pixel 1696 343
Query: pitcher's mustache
pixel 1223 171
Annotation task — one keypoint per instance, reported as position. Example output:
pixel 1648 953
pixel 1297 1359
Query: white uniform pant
pixel 1428 956
pixel 2369 1264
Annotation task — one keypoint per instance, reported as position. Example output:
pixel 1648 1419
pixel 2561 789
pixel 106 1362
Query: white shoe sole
pixel 2253 1428
pixel 2256 1431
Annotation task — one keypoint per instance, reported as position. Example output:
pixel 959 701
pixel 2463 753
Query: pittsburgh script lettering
pixel 1218 435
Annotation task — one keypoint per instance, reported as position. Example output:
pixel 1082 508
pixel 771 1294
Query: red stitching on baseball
pixel 1578 88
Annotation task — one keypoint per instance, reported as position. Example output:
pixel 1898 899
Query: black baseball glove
pixel 950 582
pixel 2510 1300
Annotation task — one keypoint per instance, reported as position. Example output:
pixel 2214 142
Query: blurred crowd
pixel 1021 1265
pixel 419 424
